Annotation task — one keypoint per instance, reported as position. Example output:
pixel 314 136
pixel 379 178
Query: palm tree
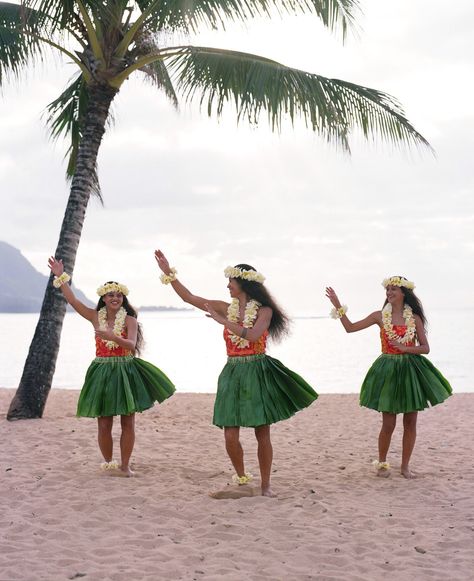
pixel 109 40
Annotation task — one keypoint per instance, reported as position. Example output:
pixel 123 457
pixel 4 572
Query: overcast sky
pixel 210 193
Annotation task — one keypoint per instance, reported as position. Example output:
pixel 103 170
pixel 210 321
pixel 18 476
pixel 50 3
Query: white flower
pixel 251 275
pixel 112 287
pixel 119 324
pixel 233 311
pixel 409 335
pixel 61 279
pixel 398 281
pixel 167 278
pixel 338 313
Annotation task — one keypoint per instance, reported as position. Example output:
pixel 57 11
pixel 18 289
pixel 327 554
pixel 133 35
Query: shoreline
pixel 333 518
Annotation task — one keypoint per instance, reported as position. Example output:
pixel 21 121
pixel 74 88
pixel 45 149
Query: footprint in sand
pixel 236 492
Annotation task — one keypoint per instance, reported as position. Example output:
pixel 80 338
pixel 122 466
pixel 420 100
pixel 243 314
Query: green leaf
pixel 65 118
pixel 156 72
pixel 331 107
pixel 17 48
pixel 189 16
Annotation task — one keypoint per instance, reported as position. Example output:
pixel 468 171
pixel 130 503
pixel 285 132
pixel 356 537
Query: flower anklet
pixel 240 480
pixel 112 465
pixel 380 465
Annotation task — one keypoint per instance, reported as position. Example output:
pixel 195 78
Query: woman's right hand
pixel 332 296
pixel 162 261
pixel 56 266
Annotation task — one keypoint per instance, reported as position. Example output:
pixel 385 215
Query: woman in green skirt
pixel 117 383
pixel 254 390
pixel 401 380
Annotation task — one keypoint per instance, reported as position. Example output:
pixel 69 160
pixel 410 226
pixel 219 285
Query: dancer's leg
pixel 234 449
pixel 408 442
pixel 127 441
pixel 104 436
pixel 389 422
pixel 265 457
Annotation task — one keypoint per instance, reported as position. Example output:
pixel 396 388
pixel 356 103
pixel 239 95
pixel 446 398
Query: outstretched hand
pixel 162 262
pixel 332 296
pixel 56 266
pixel 213 314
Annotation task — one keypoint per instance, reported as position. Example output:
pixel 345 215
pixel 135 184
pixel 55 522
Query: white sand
pixel 62 518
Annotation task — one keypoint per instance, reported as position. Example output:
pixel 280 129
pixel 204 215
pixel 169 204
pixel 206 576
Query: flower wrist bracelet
pixel 338 313
pixel 167 278
pixel 60 280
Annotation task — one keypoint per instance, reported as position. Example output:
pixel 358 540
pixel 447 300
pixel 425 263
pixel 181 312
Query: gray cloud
pixel 212 194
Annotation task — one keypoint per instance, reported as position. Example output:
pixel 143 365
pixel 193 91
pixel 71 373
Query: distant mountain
pixel 21 285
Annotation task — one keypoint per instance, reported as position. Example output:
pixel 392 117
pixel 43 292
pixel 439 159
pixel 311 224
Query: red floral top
pixel 255 348
pixel 101 349
pixel 386 347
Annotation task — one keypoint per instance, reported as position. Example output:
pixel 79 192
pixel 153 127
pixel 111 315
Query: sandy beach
pixel 62 518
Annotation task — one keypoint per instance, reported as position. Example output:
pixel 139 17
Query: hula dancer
pixel 117 383
pixel 254 390
pixel 401 380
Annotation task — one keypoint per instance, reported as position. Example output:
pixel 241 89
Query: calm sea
pixel 189 348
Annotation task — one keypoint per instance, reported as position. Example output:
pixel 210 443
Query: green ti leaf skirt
pixel 257 390
pixel 121 386
pixel 403 383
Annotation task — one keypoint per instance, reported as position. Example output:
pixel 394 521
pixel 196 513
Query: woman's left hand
pixel 213 314
pixel 105 334
pixel 397 345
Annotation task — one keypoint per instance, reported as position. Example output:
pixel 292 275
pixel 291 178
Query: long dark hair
pixel 130 311
pixel 414 302
pixel 280 323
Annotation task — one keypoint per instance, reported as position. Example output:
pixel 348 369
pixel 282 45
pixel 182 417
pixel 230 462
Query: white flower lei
pixel 252 275
pixel 409 320
pixel 112 287
pixel 251 310
pixel 398 281
pixel 119 324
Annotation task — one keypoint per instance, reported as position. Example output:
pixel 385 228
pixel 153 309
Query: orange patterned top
pixel 386 347
pixel 255 348
pixel 101 349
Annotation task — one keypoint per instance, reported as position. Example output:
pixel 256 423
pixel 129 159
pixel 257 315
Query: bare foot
pixel 267 491
pixel 383 472
pixel 126 471
pixel 381 468
pixel 407 473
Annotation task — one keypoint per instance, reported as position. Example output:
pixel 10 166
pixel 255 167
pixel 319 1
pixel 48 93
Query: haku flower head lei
pixel 119 324
pixel 112 287
pixel 251 275
pixel 398 281
pixel 409 335
pixel 251 311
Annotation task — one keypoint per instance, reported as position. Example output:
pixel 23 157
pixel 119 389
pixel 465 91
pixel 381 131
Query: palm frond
pixel 331 107
pixel 159 76
pixel 189 16
pixel 16 47
pixel 156 72
pixel 60 14
pixel 65 117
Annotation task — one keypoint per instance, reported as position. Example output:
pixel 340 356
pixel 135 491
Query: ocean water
pixel 189 348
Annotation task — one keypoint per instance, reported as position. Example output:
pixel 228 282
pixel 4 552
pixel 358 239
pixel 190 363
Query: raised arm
pixel 186 295
pixel 57 269
pixel 374 318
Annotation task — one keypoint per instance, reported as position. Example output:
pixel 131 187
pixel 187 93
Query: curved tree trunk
pixel 30 398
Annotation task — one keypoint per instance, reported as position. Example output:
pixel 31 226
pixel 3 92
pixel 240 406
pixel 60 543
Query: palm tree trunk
pixel 30 398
